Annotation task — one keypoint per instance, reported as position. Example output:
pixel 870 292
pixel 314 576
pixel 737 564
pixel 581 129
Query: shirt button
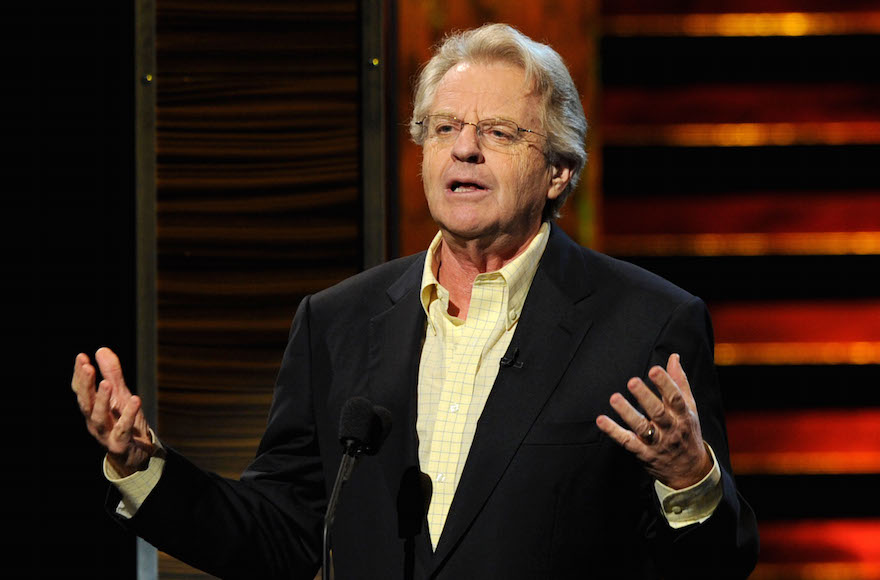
pixel 512 316
pixel 453 407
pixel 441 477
pixel 676 509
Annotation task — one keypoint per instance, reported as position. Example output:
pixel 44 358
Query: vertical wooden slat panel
pixel 258 205
pixel 145 193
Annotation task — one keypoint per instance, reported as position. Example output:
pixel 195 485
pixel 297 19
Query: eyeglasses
pixel 492 133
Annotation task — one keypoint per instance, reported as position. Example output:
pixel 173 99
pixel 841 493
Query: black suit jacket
pixel 544 493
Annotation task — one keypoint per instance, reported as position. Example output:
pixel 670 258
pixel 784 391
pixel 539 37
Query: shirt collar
pixel 518 275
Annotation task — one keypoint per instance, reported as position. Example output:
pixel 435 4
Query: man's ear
pixel 560 176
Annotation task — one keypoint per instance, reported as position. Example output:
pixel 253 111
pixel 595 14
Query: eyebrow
pixel 493 117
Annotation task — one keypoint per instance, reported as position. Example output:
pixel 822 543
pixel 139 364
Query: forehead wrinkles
pixel 488 100
pixel 486 91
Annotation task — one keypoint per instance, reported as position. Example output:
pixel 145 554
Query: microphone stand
pixel 346 466
pixel 363 427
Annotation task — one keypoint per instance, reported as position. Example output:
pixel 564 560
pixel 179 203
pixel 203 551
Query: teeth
pixel 465 188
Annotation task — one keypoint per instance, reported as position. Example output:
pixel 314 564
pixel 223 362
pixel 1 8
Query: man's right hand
pixel 113 415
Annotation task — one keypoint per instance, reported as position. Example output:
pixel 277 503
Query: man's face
pixel 488 193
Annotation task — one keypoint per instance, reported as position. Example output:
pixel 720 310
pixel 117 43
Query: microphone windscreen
pixel 363 426
pixel 355 420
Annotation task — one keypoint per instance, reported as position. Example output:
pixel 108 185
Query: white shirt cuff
pixel 136 487
pixel 694 504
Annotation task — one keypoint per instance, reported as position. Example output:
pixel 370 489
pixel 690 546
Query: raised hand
pixel 667 437
pixel 113 415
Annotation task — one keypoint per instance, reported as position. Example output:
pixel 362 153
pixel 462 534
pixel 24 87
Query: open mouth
pixel 465 187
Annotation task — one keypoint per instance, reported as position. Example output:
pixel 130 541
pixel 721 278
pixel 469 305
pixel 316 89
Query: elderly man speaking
pixel 501 353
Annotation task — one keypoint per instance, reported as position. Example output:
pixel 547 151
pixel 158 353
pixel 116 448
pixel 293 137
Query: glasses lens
pixel 498 132
pixel 443 126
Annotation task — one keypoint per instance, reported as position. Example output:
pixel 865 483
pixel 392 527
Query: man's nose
pixel 467 145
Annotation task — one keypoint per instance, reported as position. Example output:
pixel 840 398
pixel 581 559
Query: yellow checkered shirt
pixel 459 364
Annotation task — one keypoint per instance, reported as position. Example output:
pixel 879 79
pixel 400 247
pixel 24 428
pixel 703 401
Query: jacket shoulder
pixel 625 275
pixel 371 286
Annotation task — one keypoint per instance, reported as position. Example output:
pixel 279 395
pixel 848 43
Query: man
pixel 498 353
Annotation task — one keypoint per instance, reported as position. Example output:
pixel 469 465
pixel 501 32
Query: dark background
pixel 68 163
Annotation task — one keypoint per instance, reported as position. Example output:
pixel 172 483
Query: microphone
pixel 363 427
pixel 511 361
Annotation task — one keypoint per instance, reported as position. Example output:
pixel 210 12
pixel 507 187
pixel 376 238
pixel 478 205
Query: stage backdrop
pixel 733 149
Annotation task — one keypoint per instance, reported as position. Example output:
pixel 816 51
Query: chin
pixel 465 222
pixel 467 231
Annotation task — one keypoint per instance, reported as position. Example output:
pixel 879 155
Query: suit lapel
pixel 556 317
pixel 395 341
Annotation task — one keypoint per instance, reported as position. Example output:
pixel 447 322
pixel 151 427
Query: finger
pixel 108 362
pixel 79 362
pixel 652 405
pixel 630 415
pixel 676 371
pixel 83 383
pixel 99 421
pixel 672 395
pixel 121 435
pixel 623 437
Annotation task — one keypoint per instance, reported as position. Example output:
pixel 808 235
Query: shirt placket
pixel 452 409
pixel 464 347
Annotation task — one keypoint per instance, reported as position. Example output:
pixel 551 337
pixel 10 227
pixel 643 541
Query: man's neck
pixel 459 262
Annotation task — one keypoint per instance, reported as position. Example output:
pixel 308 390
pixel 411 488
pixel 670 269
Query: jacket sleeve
pixel 726 544
pixel 268 524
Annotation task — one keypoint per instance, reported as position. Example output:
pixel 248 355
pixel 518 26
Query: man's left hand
pixel 666 438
